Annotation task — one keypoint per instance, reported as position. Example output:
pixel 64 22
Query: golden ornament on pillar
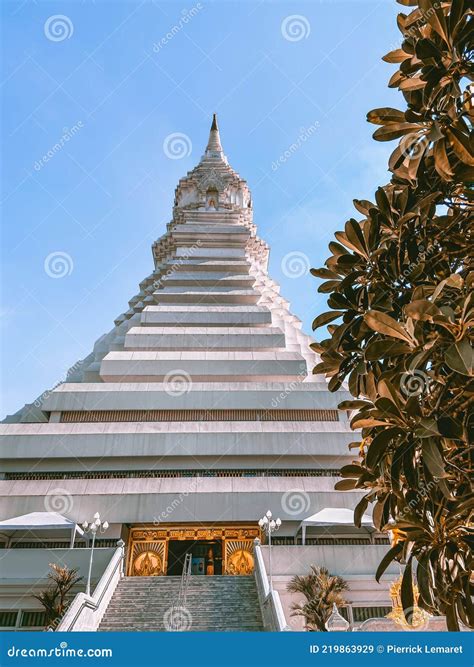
pixel 419 618
pixel 396 535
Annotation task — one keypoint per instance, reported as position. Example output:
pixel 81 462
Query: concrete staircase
pixel 215 604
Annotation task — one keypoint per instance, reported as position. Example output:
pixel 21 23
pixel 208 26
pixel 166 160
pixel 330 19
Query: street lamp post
pixel 96 526
pixel 269 526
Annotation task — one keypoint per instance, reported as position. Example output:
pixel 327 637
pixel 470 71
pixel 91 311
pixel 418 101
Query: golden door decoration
pixel 239 559
pixel 148 559
pixel 148 546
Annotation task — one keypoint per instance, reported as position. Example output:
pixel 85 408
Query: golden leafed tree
pixel 400 281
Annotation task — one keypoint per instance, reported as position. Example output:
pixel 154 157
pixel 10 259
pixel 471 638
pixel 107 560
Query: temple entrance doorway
pixel 216 549
pixel 206 557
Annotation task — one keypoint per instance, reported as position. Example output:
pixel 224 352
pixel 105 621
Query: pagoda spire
pixel 214 146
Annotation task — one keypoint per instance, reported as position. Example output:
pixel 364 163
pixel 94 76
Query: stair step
pixel 215 604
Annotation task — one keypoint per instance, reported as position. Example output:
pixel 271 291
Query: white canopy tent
pixel 41 521
pixel 333 516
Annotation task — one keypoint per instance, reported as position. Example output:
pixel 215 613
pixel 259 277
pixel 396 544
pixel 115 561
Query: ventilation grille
pixel 117 474
pixel 335 541
pixel 8 619
pixel 33 619
pixel 103 543
pixel 198 415
pixel 361 614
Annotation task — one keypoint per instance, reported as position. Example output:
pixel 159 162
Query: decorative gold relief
pixel 420 617
pixel 239 557
pixel 148 546
pixel 147 559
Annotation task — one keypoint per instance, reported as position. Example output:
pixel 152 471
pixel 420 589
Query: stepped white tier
pixel 198 411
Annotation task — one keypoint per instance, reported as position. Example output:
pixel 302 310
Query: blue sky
pixel 107 77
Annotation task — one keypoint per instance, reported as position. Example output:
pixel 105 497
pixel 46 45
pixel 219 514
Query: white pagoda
pixel 192 417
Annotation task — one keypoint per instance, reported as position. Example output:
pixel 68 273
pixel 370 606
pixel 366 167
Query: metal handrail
pixel 178 619
pixel 183 588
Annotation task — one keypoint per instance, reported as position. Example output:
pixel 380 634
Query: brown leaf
pixel 442 165
pixel 433 13
pixel 460 146
pixel 325 318
pixel 422 310
pixel 384 324
pixel 394 131
pixel 412 84
pixel 385 115
pixel 396 56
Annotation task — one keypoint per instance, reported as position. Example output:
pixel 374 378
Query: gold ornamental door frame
pixel 148 546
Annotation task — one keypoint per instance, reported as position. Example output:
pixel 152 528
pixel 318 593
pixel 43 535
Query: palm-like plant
pixel 53 598
pixel 48 599
pixel 321 591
